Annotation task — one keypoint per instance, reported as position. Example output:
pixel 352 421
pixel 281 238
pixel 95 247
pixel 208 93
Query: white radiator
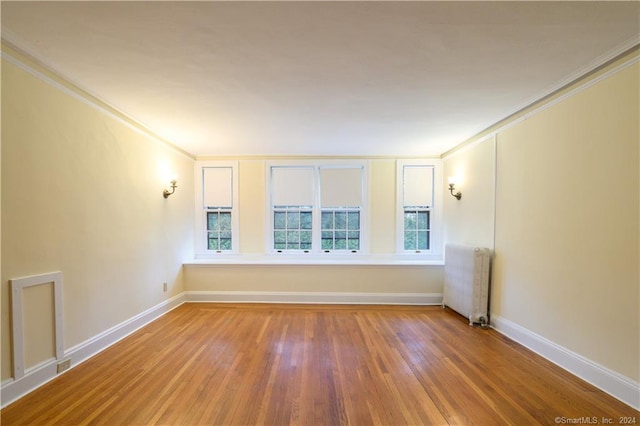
pixel 466 282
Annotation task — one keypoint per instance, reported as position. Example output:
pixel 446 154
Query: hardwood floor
pixel 314 365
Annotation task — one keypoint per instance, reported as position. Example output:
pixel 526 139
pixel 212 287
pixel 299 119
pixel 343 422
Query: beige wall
pixel 567 224
pixel 82 194
pixel 315 278
pixel 469 221
pixel 567 215
pixel 251 183
pixel 382 200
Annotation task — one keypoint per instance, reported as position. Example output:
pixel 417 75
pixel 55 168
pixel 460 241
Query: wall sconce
pixel 452 187
pixel 166 192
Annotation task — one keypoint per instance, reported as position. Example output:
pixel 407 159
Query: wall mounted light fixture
pixel 452 187
pixel 166 192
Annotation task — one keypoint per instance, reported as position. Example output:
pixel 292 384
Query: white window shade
pixel 292 186
pixel 341 187
pixel 417 185
pixel 217 186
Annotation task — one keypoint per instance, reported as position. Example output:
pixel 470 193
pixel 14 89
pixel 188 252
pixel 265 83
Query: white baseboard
pixel 615 384
pixel 36 377
pixel 314 297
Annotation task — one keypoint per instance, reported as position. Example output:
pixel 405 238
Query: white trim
pixel 17 287
pixel 495 200
pixel 615 384
pixel 18 387
pixel 314 297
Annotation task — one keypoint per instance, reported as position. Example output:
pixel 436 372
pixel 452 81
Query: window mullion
pixel 316 234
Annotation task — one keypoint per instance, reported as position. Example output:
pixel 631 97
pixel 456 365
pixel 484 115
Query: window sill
pixel 310 259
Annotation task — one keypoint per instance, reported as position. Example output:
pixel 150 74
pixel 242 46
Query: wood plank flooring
pixel 235 364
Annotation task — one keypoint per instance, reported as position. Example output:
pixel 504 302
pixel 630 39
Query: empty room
pixel 320 213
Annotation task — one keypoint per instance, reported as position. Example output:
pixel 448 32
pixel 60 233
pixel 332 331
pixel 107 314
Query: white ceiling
pixel 320 78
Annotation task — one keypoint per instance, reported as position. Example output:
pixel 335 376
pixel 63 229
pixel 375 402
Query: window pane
pixel 305 237
pixel 353 220
pixel 280 246
pixel 327 243
pixel 293 220
pixel 423 240
pixel 293 245
pixel 305 220
pixel 213 244
pixel 305 246
pixel 225 221
pixel 409 220
pixel 225 235
pixel 279 237
pixel 341 234
pixel 341 244
pixel 341 220
pixel 353 244
pixel 225 244
pixel 423 220
pixel 327 234
pixel 293 236
pixel 353 235
pixel 409 240
pixel 212 221
pixel 327 220
pixel 279 220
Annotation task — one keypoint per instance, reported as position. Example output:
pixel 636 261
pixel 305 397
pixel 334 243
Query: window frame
pixel 200 222
pixel 317 209
pixel 434 252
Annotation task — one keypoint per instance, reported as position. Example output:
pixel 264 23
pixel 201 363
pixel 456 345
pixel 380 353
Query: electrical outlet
pixel 165 286
pixel 63 365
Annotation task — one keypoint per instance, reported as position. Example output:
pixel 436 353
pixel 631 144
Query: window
pixel 316 208
pixel 292 195
pixel 216 207
pixel 341 202
pixel 419 193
